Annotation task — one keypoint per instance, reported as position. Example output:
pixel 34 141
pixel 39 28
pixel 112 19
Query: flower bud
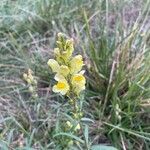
pixel 77 127
pixel 31 89
pixel 68 123
pixel 29 81
pixel 60 34
pixel 70 143
pixel 25 76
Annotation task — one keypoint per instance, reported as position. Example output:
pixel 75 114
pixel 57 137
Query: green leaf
pixel 69 135
pixel 3 145
pixel 102 147
pixel 87 120
pixel 86 134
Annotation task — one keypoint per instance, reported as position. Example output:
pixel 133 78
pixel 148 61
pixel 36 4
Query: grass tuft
pixel 114 38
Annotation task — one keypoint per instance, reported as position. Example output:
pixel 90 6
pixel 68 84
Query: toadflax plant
pixel 32 83
pixel 69 76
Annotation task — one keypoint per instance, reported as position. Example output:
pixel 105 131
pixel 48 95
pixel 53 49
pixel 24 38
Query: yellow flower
pixel 78 82
pixel 53 64
pixel 64 70
pixel 76 64
pixel 61 86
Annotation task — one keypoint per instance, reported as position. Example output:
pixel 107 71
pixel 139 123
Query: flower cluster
pixel 70 79
pixel 118 111
pixel 32 83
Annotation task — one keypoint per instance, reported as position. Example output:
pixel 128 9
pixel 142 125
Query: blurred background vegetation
pixel 114 38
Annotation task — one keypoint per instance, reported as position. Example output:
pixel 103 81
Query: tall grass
pixel 119 75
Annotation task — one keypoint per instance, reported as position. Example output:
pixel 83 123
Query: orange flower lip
pixel 60 85
pixel 78 78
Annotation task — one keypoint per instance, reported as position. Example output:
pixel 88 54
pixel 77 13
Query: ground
pixel 113 38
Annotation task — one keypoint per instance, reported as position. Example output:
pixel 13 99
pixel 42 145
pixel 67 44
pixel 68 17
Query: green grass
pixel 113 37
